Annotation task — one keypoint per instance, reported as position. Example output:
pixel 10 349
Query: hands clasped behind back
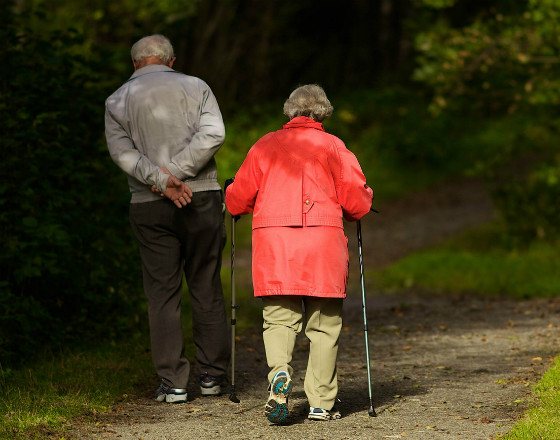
pixel 176 191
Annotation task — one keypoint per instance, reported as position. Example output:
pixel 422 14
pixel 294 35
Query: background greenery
pixel 423 90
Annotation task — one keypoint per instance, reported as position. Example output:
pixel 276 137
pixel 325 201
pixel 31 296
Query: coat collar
pixel 151 68
pixel 304 122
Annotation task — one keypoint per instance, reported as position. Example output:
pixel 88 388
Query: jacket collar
pixel 150 68
pixel 304 122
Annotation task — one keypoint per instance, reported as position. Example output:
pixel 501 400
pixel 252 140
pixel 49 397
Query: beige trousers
pixel 283 321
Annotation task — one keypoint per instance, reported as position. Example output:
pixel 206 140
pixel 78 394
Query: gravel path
pixel 443 367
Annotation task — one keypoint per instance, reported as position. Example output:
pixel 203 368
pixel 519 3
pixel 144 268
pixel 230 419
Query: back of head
pixel 152 46
pixel 309 100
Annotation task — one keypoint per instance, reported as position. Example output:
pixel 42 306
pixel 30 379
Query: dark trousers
pixel 174 241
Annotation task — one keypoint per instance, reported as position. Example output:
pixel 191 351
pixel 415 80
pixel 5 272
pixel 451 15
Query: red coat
pixel 291 179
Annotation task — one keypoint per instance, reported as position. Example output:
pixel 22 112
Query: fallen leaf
pixel 408 347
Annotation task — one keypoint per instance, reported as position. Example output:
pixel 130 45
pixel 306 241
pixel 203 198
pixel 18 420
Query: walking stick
pixel 371 411
pixel 233 396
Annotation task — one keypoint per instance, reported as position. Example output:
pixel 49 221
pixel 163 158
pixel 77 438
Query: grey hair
pixel 309 100
pixel 153 46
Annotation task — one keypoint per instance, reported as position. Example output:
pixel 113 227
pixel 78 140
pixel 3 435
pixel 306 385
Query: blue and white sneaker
pixel 323 414
pixel 209 385
pixel 276 409
pixel 168 394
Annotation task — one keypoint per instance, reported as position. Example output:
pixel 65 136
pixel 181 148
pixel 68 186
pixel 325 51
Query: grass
pixel 44 397
pixel 476 262
pixel 541 422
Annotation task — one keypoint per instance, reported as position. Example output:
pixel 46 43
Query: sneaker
pixel 276 409
pixel 209 385
pixel 165 393
pixel 323 414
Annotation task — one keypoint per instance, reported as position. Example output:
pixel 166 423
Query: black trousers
pixel 185 241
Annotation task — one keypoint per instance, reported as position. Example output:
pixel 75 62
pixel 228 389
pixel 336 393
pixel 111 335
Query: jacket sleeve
pixel 354 195
pixel 128 157
pixel 242 193
pixel 206 141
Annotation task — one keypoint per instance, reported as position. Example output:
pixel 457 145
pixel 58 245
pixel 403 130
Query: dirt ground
pixel 443 366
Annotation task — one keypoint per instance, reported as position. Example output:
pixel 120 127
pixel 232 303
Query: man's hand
pixel 178 192
pixel 154 188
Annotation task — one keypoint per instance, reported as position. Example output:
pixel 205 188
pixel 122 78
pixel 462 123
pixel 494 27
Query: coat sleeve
pixel 206 141
pixel 242 193
pixel 125 154
pixel 354 195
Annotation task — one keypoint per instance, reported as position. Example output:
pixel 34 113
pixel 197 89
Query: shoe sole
pixel 327 416
pixel 172 398
pixel 216 390
pixel 276 409
pixel 319 417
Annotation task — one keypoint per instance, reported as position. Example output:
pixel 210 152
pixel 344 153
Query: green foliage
pixel 67 252
pixel 503 59
pixel 436 4
pixel 529 203
pixel 502 66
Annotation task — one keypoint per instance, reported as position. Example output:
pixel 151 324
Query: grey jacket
pixel 163 118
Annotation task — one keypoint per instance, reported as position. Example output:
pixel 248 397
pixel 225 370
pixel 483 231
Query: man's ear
pixel 134 64
pixel 171 62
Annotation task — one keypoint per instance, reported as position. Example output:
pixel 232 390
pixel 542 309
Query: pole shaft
pixel 233 305
pixel 364 307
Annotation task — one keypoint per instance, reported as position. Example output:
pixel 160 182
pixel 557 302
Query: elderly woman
pixel 300 182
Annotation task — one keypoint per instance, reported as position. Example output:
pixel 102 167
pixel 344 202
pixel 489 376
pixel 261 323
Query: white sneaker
pixel 323 414
pixel 209 385
pixel 168 394
pixel 276 409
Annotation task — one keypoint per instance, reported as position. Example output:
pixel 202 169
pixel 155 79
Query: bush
pixel 529 203
pixel 68 262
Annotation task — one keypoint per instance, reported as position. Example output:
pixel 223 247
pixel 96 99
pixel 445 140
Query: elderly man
pixel 163 129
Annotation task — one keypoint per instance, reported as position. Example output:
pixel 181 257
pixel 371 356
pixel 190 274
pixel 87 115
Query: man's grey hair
pixel 153 46
pixel 309 100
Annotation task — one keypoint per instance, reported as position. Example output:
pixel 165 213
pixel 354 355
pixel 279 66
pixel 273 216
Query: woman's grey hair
pixel 309 100
pixel 153 46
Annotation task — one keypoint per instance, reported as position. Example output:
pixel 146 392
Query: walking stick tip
pixel 371 412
